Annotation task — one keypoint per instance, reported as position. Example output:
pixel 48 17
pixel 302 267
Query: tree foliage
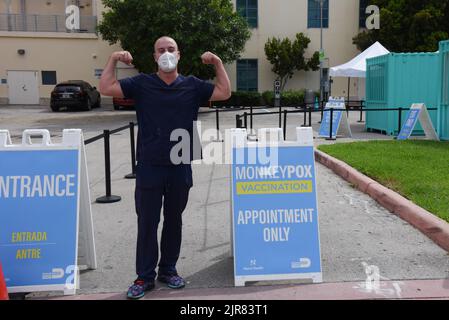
pixel 196 25
pixel 408 25
pixel 287 57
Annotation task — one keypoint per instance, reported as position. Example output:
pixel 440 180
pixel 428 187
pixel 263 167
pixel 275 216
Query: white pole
pixel 321 49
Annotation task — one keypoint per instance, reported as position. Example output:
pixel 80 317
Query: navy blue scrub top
pixel 162 108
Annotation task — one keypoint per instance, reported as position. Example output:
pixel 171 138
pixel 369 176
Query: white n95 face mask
pixel 168 62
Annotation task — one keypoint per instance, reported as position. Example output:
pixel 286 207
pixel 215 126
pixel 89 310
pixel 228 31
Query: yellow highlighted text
pixel 274 187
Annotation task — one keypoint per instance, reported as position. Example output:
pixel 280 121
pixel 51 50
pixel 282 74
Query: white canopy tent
pixel 356 68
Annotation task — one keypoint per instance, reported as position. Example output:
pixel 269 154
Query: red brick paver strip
pixel 402 289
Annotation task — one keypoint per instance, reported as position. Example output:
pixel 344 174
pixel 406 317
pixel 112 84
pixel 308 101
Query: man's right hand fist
pixel 123 56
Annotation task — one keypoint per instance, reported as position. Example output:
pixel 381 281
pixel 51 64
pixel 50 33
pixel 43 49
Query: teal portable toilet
pixel 443 114
pixel 397 80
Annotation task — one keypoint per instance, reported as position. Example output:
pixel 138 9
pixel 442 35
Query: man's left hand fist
pixel 210 58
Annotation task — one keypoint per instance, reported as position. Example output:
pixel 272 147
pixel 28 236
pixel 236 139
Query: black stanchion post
pixel 251 118
pixel 305 117
pixel 400 120
pixel 217 119
pixel 322 110
pixel 330 124
pixel 285 124
pixel 238 121
pixel 245 120
pixel 280 117
pixel 108 198
pixel 310 116
pixel 361 112
pixel 132 175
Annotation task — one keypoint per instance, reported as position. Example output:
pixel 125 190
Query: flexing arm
pixel 109 86
pixel 222 89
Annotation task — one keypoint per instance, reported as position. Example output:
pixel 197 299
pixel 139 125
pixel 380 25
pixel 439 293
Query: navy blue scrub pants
pixel 157 187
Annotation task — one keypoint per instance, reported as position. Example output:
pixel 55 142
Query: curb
pixel 430 225
pixel 356 290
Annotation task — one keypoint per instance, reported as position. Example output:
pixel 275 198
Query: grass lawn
pixel 418 170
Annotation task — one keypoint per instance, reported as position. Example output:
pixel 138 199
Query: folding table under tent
pixel 356 68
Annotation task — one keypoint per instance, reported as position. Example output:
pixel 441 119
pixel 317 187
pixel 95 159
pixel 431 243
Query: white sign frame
pixel 344 128
pixel 72 139
pixel 425 121
pixel 304 139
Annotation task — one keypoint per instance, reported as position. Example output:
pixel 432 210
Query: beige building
pixel 37 50
pixel 341 21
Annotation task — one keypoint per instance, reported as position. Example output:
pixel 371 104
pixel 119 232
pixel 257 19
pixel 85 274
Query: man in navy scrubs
pixel 165 101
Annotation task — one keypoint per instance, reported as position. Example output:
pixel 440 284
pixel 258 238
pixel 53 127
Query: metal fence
pixel 44 23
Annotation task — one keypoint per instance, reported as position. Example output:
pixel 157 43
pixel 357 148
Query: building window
pixel 98 73
pixel 314 14
pixel 362 13
pixel 49 77
pixel 248 10
pixel 247 75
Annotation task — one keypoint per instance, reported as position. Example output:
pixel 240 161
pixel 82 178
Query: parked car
pixel 75 94
pixel 123 103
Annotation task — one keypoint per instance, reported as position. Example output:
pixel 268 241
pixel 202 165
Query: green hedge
pixel 289 98
pixel 241 98
pixel 245 98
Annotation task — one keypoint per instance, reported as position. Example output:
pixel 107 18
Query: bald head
pixel 164 43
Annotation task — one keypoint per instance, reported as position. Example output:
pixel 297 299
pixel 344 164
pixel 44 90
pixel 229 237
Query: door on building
pixel 23 87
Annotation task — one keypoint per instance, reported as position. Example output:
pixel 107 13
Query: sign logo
pixel 303 263
pixel 56 273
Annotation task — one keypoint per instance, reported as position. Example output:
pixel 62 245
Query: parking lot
pixel 355 231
